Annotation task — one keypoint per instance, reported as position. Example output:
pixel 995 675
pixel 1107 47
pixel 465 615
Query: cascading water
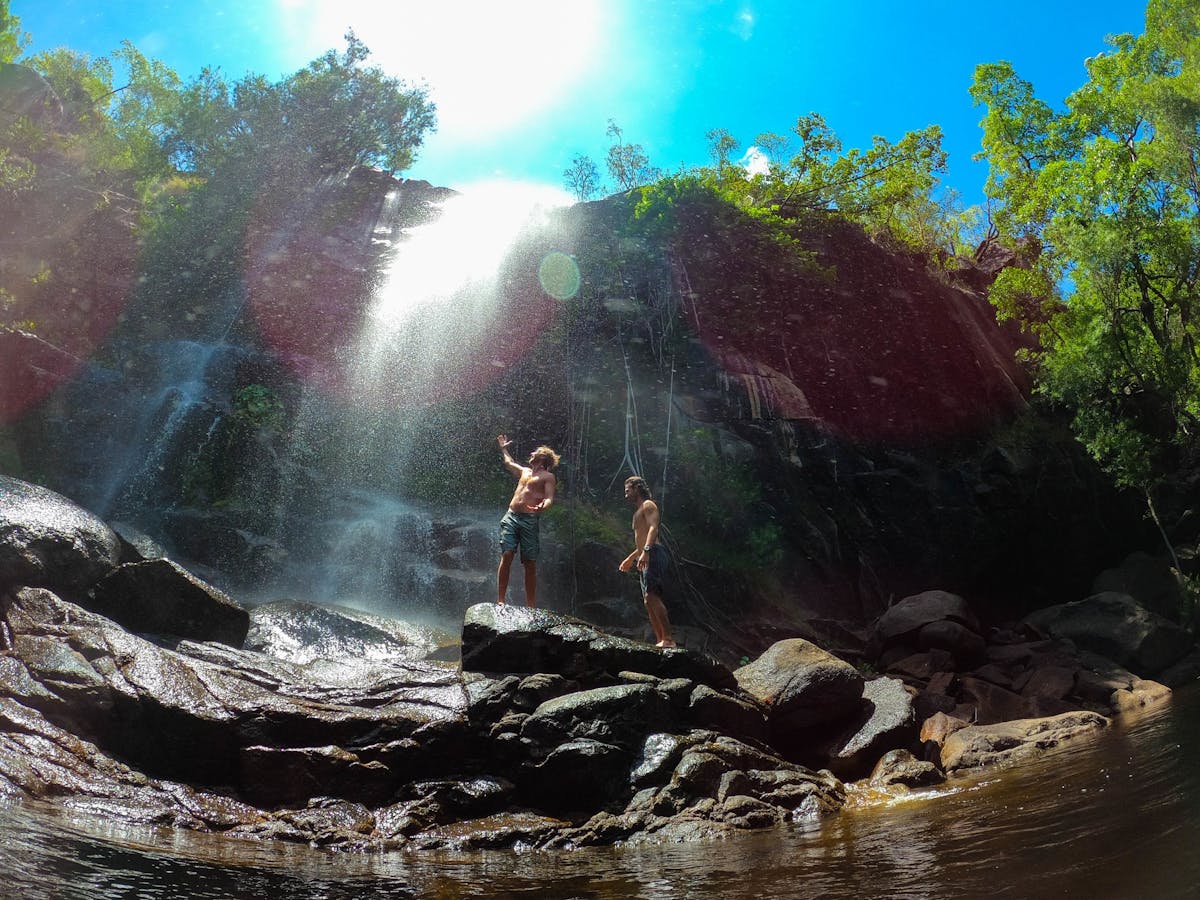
pixel 424 336
pixel 359 317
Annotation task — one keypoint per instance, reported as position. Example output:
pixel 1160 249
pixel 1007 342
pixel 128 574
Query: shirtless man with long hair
pixel 649 556
pixel 519 527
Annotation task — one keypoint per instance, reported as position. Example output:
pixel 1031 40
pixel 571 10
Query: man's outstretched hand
pixel 503 441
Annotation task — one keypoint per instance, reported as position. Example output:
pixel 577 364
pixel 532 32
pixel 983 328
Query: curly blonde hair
pixel 549 457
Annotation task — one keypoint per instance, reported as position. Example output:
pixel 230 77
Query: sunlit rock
pixel 801 685
pixel 1008 742
pixel 48 541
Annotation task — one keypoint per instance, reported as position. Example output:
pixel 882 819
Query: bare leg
pixel 658 620
pixel 530 581
pixel 506 559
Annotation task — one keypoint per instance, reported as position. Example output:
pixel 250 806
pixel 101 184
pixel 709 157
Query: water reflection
pixel 1115 817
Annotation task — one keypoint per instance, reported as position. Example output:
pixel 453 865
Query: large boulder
pixel 802 686
pixel 48 541
pixel 160 597
pixel 1149 580
pixel 1115 626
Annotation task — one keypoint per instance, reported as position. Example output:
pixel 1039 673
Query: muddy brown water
pixel 1113 816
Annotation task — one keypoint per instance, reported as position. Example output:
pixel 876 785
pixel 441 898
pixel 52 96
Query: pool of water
pixel 1113 816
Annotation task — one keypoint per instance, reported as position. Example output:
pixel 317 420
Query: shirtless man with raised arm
pixel 649 556
pixel 519 527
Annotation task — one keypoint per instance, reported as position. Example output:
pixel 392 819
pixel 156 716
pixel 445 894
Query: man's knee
pixel 529 563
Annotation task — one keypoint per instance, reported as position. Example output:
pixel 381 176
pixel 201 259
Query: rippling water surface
pixel 1117 816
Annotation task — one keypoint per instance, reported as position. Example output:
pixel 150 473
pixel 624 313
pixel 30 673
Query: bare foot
pixel 500 602
pixel 666 645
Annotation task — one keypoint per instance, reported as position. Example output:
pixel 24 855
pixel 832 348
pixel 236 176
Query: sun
pixel 489 66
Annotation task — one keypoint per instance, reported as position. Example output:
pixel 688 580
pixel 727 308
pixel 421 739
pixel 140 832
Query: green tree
pixel 1109 188
pixel 12 39
pixel 628 164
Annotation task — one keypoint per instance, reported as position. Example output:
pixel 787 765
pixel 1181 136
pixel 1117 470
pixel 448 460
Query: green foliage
pixel 1108 187
pixel 259 408
pixel 628 164
pixel 333 114
pixel 585 523
pixel 12 39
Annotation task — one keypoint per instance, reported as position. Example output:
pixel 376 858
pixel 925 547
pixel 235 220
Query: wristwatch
pixel 647 547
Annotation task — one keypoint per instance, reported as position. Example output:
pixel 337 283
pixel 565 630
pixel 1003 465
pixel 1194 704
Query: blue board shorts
pixel 654 576
pixel 520 530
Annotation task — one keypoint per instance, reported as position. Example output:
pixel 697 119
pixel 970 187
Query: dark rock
pixel 910 615
pixel 991 703
pixel 518 639
pixel 727 714
pixel 958 640
pixel 48 541
pixel 579 774
pixel 622 715
pixel 1149 581
pixel 160 597
pixel 1114 626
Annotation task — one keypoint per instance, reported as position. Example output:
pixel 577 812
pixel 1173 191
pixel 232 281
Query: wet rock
pixel 160 597
pixel 887 722
pixel 299 632
pixel 901 767
pixel 935 730
pixel 1140 694
pixel 708 708
pixel 1008 742
pixel 801 685
pixel 48 541
pixel 579 774
pixel 518 639
pixel 1113 625
pixel 621 715
pixel 505 830
pixel 191 713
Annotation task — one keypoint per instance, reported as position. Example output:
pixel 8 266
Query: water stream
pixel 1117 816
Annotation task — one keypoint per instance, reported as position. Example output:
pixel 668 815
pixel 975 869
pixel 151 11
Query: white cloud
pixel 490 66
pixel 755 162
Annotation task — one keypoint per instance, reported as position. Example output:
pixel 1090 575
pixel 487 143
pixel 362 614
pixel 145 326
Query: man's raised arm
pixel 511 464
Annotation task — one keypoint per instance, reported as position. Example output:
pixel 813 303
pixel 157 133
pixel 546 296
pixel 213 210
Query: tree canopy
pixel 1109 187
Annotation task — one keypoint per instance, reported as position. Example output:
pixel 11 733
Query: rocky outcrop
pixel 1115 626
pixel 333 727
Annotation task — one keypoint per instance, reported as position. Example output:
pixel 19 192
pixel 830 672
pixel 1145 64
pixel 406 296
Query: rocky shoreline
pixel 132 690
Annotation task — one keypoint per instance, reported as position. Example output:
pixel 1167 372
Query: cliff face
pixel 825 431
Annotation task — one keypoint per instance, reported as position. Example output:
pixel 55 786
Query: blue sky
pixel 524 85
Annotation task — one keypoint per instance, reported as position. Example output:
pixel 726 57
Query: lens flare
pixel 559 276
